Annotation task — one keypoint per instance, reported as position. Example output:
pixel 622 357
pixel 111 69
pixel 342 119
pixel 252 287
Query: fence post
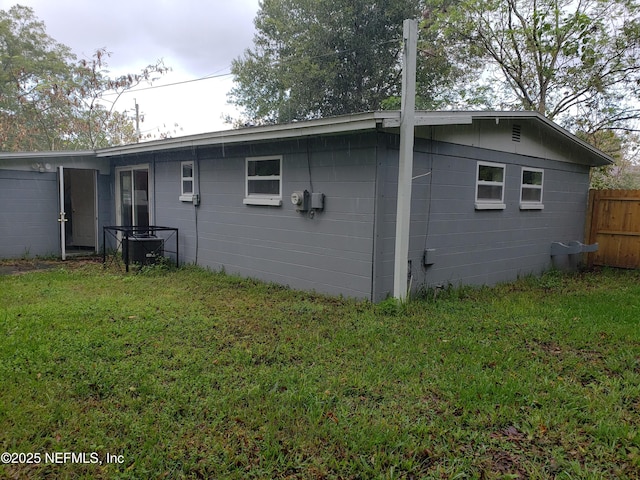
pixel 589 234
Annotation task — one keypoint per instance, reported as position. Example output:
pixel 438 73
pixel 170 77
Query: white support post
pixel 405 164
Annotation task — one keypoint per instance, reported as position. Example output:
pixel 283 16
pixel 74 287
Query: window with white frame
pixel 531 188
pixel 263 181
pixel 490 186
pixel 186 181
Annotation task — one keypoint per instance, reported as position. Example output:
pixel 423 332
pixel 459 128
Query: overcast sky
pixel 195 38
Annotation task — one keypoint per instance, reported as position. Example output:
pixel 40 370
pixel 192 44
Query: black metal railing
pixel 144 245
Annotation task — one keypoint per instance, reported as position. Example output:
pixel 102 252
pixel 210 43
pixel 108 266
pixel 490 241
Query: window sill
pixel 531 206
pixel 490 206
pixel 275 202
pixel 186 198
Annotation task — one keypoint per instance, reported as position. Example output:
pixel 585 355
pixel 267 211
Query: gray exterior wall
pixel 348 248
pixel 106 206
pixel 476 246
pixel 28 225
pixel 169 210
pixel 329 253
pixel 28 221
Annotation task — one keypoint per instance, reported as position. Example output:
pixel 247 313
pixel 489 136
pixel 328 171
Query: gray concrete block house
pixel 312 205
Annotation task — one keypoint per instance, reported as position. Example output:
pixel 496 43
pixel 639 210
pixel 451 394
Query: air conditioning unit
pixel 143 250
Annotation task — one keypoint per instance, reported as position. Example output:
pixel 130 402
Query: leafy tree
pixel 96 124
pixel 315 58
pixel 575 61
pixel 51 101
pixel 625 173
pixel 33 68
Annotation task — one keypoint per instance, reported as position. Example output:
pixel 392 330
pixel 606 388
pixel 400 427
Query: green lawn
pixel 193 374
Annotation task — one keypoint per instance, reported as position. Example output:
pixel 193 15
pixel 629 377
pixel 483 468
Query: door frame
pixel 150 199
pixel 63 216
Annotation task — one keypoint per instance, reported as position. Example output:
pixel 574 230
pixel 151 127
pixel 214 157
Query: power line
pixel 153 87
pixel 283 61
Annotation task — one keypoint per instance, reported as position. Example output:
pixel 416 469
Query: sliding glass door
pixel 133 196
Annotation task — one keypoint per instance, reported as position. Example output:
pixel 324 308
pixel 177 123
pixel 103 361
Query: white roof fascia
pixel 432 118
pixel 50 161
pixel 325 126
pixel 49 155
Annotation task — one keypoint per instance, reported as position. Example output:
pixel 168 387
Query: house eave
pixel 49 161
pixel 423 118
pixel 58 154
pixel 324 126
pixel 381 120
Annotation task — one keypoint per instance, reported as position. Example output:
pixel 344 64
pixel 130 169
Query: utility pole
pixel 405 162
pixel 137 121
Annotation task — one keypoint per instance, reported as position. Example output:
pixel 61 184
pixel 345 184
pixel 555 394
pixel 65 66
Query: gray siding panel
pixel 329 253
pixel 477 246
pixel 170 211
pixel 28 219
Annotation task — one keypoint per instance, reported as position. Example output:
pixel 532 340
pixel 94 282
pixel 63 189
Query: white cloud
pixel 195 38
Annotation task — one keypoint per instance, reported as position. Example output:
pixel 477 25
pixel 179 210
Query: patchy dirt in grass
pixel 17 267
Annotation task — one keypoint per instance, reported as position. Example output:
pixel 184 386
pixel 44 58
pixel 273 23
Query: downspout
pixel 405 161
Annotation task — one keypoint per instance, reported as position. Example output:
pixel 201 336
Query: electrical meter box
pixel 301 200
pixel 317 201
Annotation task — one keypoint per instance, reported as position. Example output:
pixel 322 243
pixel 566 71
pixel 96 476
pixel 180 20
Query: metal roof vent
pixel 515 133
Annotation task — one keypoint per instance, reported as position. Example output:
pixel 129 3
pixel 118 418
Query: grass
pixel 193 374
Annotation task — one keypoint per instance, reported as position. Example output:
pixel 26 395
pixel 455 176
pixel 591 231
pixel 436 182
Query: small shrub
pixel 161 266
pixel 392 307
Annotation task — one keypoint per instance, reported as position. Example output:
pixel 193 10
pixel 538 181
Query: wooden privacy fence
pixel 613 221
